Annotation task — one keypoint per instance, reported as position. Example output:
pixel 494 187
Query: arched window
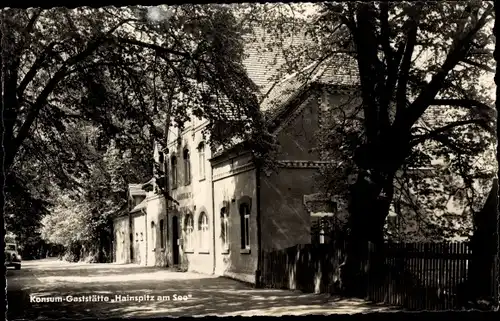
pixel 245 226
pixel 201 160
pixel 204 237
pixel 173 166
pixel 189 233
pixel 224 217
pixel 187 167
pixel 153 234
pixel 162 245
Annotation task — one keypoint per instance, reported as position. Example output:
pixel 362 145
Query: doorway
pixel 131 248
pixel 175 240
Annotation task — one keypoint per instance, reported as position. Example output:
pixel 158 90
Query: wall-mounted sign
pixel 184 196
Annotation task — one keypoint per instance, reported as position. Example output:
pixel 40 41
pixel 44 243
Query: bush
pixel 70 257
pixel 91 258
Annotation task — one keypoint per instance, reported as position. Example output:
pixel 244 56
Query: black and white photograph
pixel 249 159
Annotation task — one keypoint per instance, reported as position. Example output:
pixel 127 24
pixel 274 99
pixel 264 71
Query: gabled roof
pixel 121 212
pixel 140 206
pixel 136 190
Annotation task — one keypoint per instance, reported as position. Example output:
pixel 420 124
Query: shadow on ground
pixel 201 295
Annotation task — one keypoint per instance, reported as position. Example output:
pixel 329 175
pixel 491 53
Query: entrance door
pixel 131 248
pixel 175 240
pixel 139 239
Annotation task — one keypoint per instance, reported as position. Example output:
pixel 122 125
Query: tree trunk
pixel 496 55
pixel 484 247
pixel 368 208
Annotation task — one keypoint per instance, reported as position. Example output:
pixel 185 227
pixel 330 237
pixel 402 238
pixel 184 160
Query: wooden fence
pixel 309 267
pixel 418 276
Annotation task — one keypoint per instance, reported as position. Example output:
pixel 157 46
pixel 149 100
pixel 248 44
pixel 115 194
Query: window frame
pixel 153 234
pixel 203 233
pixel 224 214
pixel 174 171
pixel 162 234
pixel 245 226
pixel 189 231
pixel 186 157
pixel 201 160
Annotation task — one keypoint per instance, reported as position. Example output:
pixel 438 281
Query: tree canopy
pixel 87 92
pixel 423 97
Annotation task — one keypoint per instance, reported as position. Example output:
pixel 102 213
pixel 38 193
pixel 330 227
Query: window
pixel 245 226
pixel 161 161
pixel 224 228
pixel 204 237
pixel 189 233
pixel 322 236
pixel 187 167
pixel 153 241
pixel 201 160
pixel 174 171
pixel 161 235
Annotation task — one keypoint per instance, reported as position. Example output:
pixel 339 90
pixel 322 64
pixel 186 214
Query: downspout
pixel 167 202
pixel 146 232
pixel 213 219
pixel 166 158
pixel 258 273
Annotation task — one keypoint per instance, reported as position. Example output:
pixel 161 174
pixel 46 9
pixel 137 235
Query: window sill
pixel 162 250
pixel 204 252
pixel 245 251
pixel 202 179
pixel 189 251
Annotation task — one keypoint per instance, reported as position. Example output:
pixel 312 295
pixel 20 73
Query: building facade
pixel 226 210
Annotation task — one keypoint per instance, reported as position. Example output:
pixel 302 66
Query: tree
pixel 411 59
pixel 496 55
pixel 119 70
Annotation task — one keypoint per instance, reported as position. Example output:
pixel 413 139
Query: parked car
pixel 12 257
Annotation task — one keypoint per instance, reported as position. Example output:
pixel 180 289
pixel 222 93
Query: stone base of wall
pixel 248 278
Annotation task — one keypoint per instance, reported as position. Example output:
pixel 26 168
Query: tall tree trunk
pixel 496 55
pixel 484 246
pixel 371 196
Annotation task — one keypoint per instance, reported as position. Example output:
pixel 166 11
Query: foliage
pixel 116 69
pixel 87 91
pixel 422 99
